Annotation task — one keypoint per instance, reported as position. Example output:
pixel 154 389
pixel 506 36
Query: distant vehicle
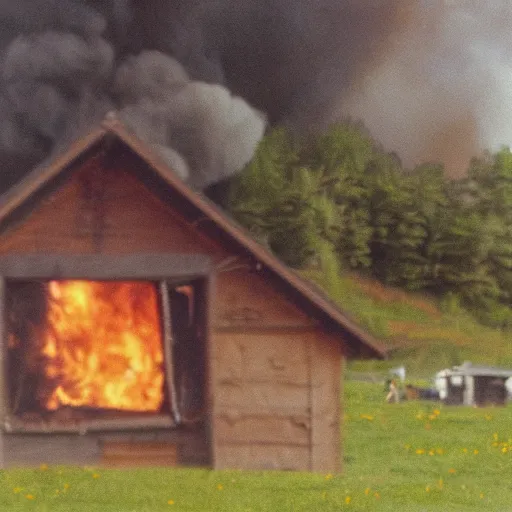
pixel 475 385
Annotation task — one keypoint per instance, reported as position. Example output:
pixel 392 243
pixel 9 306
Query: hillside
pixel 419 332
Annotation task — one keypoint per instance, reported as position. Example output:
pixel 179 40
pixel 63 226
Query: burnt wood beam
pixel 104 267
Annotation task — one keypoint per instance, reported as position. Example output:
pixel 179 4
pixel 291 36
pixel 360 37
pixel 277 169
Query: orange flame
pixel 103 345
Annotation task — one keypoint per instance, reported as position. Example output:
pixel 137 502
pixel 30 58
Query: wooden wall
pixel 277 381
pixel 274 374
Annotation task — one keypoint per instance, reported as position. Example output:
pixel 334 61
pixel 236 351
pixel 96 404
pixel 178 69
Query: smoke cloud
pixel 198 79
pixel 443 89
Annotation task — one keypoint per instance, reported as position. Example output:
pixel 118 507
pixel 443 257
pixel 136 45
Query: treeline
pixel 338 201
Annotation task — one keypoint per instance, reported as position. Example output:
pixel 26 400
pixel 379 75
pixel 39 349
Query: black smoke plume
pixel 198 79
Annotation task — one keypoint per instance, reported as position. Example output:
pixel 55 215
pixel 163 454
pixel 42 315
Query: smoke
pixel 63 68
pixel 197 79
pixel 443 90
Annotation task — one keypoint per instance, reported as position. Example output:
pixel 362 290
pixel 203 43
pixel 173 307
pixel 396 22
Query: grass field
pixel 398 457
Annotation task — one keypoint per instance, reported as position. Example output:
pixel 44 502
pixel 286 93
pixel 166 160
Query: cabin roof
pixel 360 343
pixel 472 370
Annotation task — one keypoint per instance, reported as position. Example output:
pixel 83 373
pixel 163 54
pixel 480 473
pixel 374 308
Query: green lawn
pixel 404 457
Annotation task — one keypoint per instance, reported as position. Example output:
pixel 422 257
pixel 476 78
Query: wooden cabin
pixel 141 326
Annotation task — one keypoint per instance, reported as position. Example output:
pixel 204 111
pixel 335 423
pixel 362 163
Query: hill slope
pixel 419 332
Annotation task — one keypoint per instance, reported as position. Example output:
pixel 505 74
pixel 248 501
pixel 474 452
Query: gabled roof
pixel 360 343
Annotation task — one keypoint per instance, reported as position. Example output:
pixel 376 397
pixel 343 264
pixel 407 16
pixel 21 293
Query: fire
pixel 103 346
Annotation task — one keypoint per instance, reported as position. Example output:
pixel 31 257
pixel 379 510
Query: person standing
pixel 393 396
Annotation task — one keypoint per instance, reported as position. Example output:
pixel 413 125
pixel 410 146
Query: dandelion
pixel 328 476
pixel 367 417
pixel 170 502
pixel 452 471
pixel 441 483
pixel 437 412
pixel 377 495
pixel 43 467
pixel 66 487
pixel 439 451
pixel 420 451
pixel 427 488
pixel 475 452
pixel 30 497
pixel 488 417
pixel 465 450
pixel 431 452
pixel 348 499
pixel 367 491
pixel 95 475
pixel 17 490
pixel 432 416
pixel 495 436
pixel 504 449
pixel 482 496
pixel 220 487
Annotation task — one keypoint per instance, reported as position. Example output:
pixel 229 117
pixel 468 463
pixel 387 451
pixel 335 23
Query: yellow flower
pixel 488 417
pixel 95 475
pixel 170 502
pixel 43 467
pixel 495 436
pixel 30 497
pixel 441 483
pixel 367 491
pixel 220 487
pixel 452 471
pixel 481 495
pixel 439 451
pixel 328 476
pixel 432 416
pixel 431 452
pixel 348 499
pixel 465 450
pixel 17 490
pixel 504 449
pixel 367 417
pixel 420 451
pixel 475 452
pixel 427 488
pixel 437 412
pixel 377 496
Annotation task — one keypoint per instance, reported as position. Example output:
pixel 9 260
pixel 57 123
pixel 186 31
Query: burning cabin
pixel 140 326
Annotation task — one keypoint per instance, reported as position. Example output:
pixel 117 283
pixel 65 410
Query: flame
pixel 103 346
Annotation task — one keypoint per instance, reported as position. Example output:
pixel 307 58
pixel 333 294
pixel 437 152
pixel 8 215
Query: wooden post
pixel 168 342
